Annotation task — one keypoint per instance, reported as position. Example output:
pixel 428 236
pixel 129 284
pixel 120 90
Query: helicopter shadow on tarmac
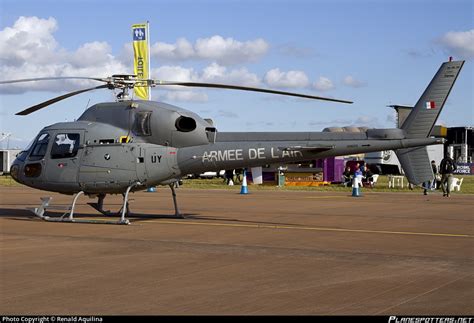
pixel 182 216
pixel 27 215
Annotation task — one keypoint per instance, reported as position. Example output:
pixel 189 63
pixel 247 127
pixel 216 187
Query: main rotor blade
pixel 56 99
pixel 246 88
pixel 53 78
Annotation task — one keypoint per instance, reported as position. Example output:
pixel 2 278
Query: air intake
pixel 185 124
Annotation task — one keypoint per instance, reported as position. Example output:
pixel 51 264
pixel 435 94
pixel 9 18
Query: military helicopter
pixel 129 145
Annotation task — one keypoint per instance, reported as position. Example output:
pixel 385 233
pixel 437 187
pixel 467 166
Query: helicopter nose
pixel 15 170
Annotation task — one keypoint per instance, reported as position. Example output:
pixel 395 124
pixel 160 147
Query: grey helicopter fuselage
pixel 113 145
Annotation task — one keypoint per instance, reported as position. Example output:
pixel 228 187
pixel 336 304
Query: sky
pixel 375 53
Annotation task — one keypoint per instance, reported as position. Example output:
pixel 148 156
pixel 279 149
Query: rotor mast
pixel 123 82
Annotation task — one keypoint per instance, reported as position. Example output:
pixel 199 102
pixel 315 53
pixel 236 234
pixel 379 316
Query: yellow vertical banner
pixel 141 62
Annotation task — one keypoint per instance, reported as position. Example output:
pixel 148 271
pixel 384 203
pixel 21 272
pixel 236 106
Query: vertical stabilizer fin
pixel 422 119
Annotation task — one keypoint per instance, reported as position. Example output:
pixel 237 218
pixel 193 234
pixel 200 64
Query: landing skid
pixel 68 216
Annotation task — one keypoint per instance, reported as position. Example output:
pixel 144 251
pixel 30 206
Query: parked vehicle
pixel 208 175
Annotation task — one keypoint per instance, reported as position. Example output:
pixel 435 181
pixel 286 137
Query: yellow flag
pixel 141 62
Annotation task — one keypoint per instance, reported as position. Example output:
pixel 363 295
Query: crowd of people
pixel 442 175
pixel 361 172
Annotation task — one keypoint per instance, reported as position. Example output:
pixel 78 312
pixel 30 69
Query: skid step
pixel 75 220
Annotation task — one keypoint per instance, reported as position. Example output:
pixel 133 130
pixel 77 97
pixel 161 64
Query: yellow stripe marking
pixel 266 226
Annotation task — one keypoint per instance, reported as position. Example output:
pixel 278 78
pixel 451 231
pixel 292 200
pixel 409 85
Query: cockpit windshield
pixel 24 153
pixel 40 147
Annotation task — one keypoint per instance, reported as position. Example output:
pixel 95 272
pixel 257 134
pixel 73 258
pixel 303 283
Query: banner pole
pixel 148 56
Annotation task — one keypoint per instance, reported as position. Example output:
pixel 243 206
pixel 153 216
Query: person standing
pixel 446 169
pixel 358 174
pixel 431 184
pixel 229 177
pixel 435 173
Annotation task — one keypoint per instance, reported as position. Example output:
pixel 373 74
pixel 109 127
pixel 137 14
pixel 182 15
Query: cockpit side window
pixel 65 145
pixel 141 126
pixel 40 147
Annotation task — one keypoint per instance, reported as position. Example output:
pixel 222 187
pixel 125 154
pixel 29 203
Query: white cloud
pixel 225 51
pixel 229 50
pixel 28 49
pixel 220 74
pixel 182 96
pixel 353 82
pixel 290 79
pixel 30 39
pixel 362 121
pixel 91 54
pixel 126 54
pixel 177 93
pixel 460 43
pixel 175 73
pixel 181 50
pixel 213 73
pixel 323 84
pixel 392 119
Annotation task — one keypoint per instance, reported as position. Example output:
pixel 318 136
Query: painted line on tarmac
pixel 285 227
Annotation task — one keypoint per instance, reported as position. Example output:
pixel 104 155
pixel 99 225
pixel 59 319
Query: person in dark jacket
pixel 446 169
pixel 229 176
pixel 347 176
pixel 368 174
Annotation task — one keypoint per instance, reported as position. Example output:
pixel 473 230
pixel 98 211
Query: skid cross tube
pixel 71 212
pixel 123 220
pixel 176 211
